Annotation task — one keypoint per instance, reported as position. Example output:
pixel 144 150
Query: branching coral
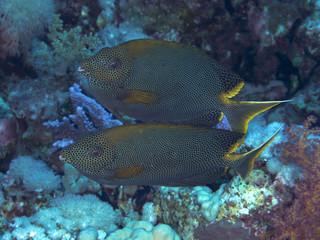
pixel 89 116
pixel 66 48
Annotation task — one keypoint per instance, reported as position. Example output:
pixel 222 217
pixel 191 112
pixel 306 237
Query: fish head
pixel 93 155
pixel 109 66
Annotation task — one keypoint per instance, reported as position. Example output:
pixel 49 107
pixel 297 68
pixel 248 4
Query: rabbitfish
pixel 159 154
pixel 167 82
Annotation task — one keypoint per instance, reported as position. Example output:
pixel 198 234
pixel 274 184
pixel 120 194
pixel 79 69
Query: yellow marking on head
pixel 136 96
pixel 234 91
pixel 128 172
pixel 109 66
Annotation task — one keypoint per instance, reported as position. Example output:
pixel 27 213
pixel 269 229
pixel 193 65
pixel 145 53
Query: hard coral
pixel 89 116
pixel 178 208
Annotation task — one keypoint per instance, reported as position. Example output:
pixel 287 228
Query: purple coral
pixel 99 116
pixel 89 116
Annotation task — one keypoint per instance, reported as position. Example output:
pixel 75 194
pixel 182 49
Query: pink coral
pixel 297 214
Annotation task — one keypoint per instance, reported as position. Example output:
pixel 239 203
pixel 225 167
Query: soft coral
pixel 297 214
pixel 300 220
pixel 20 22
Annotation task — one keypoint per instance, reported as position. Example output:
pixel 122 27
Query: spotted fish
pixel 167 82
pixel 159 154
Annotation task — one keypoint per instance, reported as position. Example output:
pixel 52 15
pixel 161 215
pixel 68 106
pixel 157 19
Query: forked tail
pixel 239 113
pixel 243 163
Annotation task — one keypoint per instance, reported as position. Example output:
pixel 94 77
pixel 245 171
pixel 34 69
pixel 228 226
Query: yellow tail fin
pixel 243 163
pixel 239 113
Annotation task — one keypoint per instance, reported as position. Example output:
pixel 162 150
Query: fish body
pixel 159 154
pixel 167 82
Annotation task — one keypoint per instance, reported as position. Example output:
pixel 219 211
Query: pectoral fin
pixel 140 96
pixel 128 172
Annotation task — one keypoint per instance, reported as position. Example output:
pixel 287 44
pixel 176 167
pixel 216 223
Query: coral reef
pixel 273 45
pixel 210 202
pixel 33 102
pixel 148 213
pixel 75 216
pixel 303 210
pixel 192 206
pixel 74 182
pixel 186 215
pixel 69 212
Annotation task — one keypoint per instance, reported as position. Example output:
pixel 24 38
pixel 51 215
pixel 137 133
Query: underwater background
pixel 45 105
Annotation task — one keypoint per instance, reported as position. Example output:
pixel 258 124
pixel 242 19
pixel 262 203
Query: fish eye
pixel 95 152
pixel 114 64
